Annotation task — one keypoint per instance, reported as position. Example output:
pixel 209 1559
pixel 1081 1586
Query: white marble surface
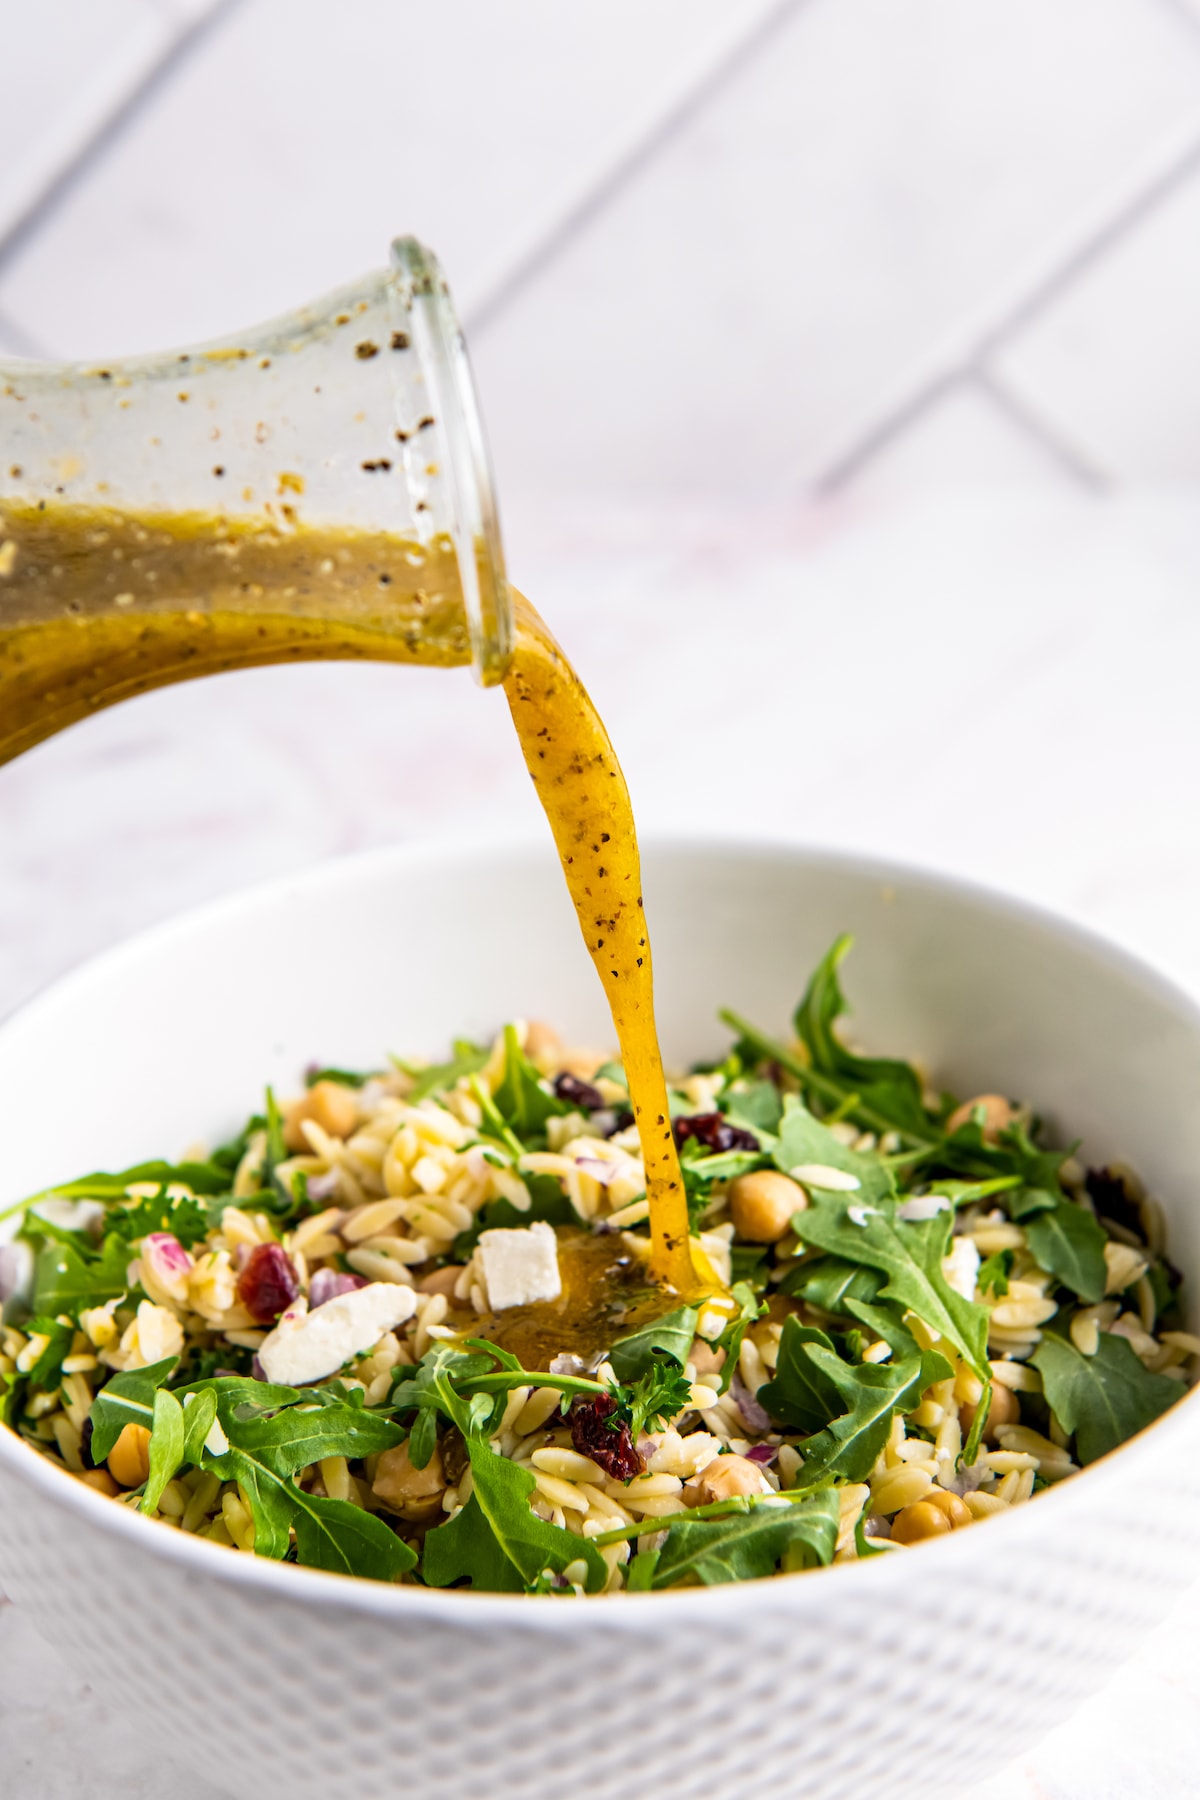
pixel 1003 688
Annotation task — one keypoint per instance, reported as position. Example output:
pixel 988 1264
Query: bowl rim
pixel 199 1558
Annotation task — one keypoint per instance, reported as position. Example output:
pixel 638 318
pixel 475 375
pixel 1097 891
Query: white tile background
pixel 842 365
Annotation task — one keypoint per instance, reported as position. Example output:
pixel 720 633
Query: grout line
pixel 1021 418
pixel 157 69
pixel 722 66
pixel 1028 420
pixel 887 430
pixel 967 349
pixel 1125 219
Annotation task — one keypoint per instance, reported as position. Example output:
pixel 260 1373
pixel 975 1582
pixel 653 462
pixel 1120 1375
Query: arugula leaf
pixel 801 1394
pixel 434 1389
pixel 522 1099
pixel 272 1432
pixel 750 1308
pixel 672 1335
pixel 756 1104
pixel 966 1193
pixel 201 1177
pixel 300 1434
pixel 330 1534
pixel 1105 1398
pixel 199 1413
pixel 468 1059
pixel 276 1152
pixel 804 1140
pixel 639 1577
pixel 891 1089
pixel 496 1543
pixel 830 1281
pixel 167 1439
pixel 229 1156
pixel 1069 1244
pixel 127 1399
pixel 341 1537
pixel 1027 1202
pixel 749 1545
pixel 886 1323
pixel 847 1449
pixel 909 1253
pixel 748 1262
pixel 66 1281
pixel 351 1078
pixel 614 1072
pixel 993 1274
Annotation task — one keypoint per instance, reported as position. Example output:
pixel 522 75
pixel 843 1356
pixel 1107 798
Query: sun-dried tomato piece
pixel 714 1131
pixel 610 1446
pixel 568 1087
pixel 267 1283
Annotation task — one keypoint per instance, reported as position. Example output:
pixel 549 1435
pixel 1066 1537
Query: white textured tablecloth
pixel 1006 690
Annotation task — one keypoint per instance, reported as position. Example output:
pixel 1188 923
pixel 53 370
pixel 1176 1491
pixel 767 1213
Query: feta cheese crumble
pixel 520 1265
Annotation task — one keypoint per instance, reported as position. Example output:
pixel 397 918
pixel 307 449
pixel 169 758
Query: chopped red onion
pixel 762 1453
pixel 601 1171
pixel 323 1187
pixel 327 1284
pixel 756 1416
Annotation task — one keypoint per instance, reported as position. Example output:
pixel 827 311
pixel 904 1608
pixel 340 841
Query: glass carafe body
pixel 318 487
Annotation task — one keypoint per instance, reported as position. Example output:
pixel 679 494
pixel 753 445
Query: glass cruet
pixel 318 487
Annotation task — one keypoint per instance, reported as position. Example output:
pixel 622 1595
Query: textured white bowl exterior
pixel 907 1674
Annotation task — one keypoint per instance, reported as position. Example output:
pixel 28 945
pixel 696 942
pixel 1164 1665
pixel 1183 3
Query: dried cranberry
pixel 578 1093
pixel 592 1435
pixel 1112 1199
pixel 714 1131
pixel 267 1283
pixel 622 1122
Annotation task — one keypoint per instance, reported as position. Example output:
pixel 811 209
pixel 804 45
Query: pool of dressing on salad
pixel 97 605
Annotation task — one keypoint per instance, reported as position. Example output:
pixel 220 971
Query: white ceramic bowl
pixel 906 1674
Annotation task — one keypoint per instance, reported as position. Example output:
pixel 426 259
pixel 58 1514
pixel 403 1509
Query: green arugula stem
pixel 504 1379
pixel 827 1086
pixel 716 1509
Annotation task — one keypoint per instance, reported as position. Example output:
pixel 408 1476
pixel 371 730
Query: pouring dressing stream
pixel 116 583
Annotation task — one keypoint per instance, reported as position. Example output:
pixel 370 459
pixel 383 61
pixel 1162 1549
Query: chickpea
pixel 920 1520
pixel 1004 1410
pixel 726 1476
pixel 706 1358
pixel 956 1510
pixel 542 1041
pixel 416 1494
pixel 998 1114
pixel 102 1481
pixel 129 1458
pixel 442 1281
pixel 329 1105
pixel 761 1205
